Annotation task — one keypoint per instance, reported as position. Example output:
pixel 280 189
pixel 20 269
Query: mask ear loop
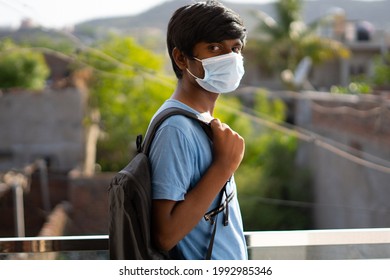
pixel 188 70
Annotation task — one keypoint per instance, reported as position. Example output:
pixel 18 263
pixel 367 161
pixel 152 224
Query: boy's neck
pixel 200 100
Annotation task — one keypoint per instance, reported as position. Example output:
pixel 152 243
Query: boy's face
pixel 205 50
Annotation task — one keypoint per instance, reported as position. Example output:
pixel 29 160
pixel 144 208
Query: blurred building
pixel 365 42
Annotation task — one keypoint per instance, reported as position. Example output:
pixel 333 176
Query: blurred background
pixel 80 80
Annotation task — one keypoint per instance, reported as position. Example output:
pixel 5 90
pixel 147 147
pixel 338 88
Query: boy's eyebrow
pixel 239 42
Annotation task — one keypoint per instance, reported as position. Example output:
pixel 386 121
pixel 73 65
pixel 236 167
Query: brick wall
pixel 351 172
pixel 47 124
pixel 89 200
pixel 86 198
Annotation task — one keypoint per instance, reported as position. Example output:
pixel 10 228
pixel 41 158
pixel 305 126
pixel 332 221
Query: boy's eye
pixel 236 49
pixel 214 48
pixel 217 48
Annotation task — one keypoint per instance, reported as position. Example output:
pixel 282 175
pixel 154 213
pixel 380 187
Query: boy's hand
pixel 228 146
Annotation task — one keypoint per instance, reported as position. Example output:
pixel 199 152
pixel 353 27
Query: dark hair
pixel 202 22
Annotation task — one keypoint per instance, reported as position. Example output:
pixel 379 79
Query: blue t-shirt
pixel 180 153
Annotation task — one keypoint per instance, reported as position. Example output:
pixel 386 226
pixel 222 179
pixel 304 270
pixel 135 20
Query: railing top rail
pixel 318 237
pixel 44 244
pixel 255 239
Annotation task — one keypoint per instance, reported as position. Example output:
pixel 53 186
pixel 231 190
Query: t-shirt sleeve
pixel 171 164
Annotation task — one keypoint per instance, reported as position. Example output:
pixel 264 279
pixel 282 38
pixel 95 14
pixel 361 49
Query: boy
pixel 188 170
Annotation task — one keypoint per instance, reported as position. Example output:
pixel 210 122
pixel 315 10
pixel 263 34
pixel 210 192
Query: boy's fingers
pixel 215 121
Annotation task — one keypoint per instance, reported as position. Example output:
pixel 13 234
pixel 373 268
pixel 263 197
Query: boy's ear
pixel 179 58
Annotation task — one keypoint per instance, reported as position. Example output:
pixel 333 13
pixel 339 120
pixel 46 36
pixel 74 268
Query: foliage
pixel 127 88
pixel 50 39
pixel 381 75
pixel 353 88
pixel 281 43
pixel 274 187
pixel 21 68
pixel 268 178
pixel 365 85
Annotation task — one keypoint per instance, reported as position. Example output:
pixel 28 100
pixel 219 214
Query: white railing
pixel 318 237
pixel 371 243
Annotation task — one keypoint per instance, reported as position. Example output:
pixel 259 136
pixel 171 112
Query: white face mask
pixel 222 73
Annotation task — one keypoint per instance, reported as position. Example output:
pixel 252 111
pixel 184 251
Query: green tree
pixel 21 68
pixel 128 86
pixel 272 189
pixel 280 44
pixel 381 77
pixel 362 84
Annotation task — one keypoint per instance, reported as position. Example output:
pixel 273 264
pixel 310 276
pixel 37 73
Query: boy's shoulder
pixel 180 122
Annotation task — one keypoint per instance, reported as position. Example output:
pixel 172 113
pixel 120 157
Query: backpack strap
pixel 214 221
pixel 160 118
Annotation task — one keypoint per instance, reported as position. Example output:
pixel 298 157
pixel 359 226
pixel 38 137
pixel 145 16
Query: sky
pixel 65 13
